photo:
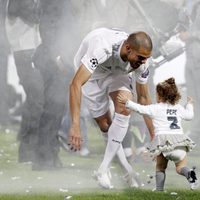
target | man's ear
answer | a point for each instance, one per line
(128, 48)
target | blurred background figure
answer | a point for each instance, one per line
(85, 118)
(191, 37)
(22, 30)
(4, 53)
(47, 60)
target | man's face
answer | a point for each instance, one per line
(137, 57)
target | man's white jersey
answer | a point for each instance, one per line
(99, 52)
(166, 117)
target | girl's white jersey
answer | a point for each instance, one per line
(99, 52)
(166, 117)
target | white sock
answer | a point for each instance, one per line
(123, 160)
(116, 134)
(121, 154)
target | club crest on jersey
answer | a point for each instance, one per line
(94, 63)
(145, 74)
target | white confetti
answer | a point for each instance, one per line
(15, 177)
(68, 197)
(173, 193)
(63, 190)
(7, 131)
(72, 164)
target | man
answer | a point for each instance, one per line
(22, 29)
(105, 59)
(4, 52)
(191, 37)
(46, 59)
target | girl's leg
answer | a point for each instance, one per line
(161, 165)
(188, 173)
(182, 169)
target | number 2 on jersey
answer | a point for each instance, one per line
(174, 124)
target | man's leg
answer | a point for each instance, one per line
(31, 80)
(116, 134)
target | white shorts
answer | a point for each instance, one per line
(96, 92)
(176, 155)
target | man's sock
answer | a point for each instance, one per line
(116, 134)
(123, 160)
(160, 180)
(121, 155)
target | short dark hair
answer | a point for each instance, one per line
(139, 40)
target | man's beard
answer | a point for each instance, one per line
(136, 65)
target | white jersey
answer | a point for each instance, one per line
(99, 52)
(166, 118)
(22, 36)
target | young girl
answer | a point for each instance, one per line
(169, 143)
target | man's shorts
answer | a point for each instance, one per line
(96, 92)
(176, 155)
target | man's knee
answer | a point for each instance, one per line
(118, 106)
(124, 111)
(103, 125)
(104, 121)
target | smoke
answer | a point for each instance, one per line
(76, 18)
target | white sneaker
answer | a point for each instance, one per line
(193, 180)
(132, 180)
(84, 151)
(103, 179)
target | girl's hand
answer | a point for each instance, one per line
(122, 98)
(190, 100)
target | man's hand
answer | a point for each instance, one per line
(184, 36)
(74, 140)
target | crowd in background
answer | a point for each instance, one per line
(43, 36)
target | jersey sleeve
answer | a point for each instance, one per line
(142, 73)
(142, 109)
(187, 113)
(97, 53)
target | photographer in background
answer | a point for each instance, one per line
(22, 30)
(4, 52)
(191, 37)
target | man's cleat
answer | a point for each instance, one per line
(193, 180)
(132, 180)
(103, 179)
